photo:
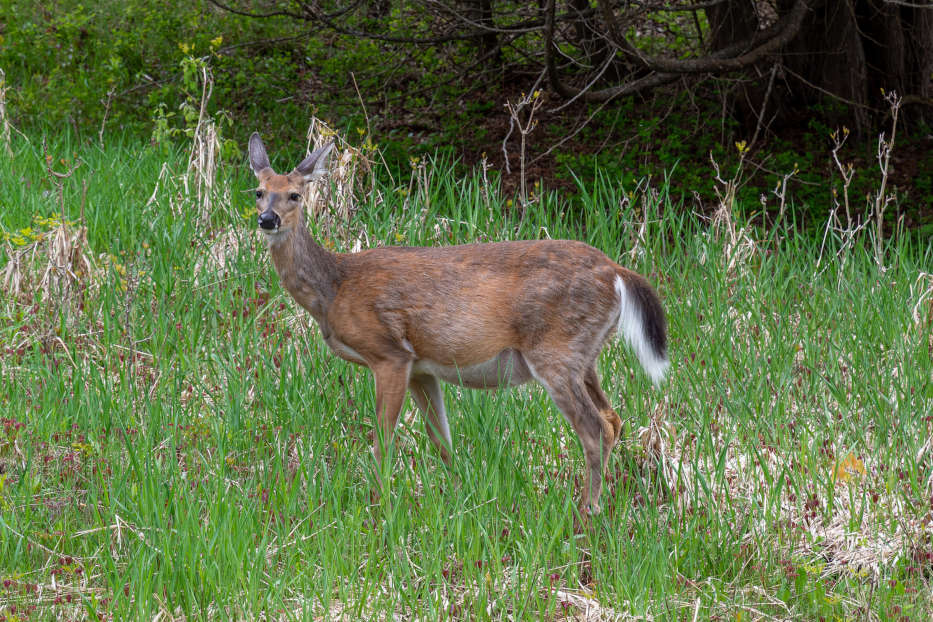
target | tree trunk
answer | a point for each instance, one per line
(828, 58)
(847, 51)
(923, 58)
(480, 13)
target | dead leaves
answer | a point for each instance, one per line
(849, 469)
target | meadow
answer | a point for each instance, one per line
(178, 443)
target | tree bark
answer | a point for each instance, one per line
(828, 59)
(922, 57)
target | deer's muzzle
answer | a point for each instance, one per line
(269, 220)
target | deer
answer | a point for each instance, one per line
(483, 315)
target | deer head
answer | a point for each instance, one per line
(279, 197)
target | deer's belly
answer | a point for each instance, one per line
(506, 369)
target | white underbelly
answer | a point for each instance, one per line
(506, 369)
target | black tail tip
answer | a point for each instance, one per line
(654, 320)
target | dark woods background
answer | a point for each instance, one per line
(762, 90)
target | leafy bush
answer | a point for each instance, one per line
(121, 62)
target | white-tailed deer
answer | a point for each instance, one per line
(478, 315)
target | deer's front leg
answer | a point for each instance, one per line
(426, 393)
(391, 378)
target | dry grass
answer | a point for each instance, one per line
(55, 268)
(349, 180)
(4, 120)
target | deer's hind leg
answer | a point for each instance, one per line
(566, 383)
(611, 419)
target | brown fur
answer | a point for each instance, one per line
(482, 315)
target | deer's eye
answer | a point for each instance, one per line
(259, 194)
(294, 196)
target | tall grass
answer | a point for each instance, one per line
(177, 441)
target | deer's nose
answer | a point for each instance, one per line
(269, 220)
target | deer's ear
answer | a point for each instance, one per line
(258, 160)
(314, 166)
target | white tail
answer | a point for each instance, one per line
(638, 323)
(478, 315)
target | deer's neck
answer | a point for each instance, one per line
(310, 273)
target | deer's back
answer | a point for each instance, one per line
(466, 303)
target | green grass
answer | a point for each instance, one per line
(177, 439)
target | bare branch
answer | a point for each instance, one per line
(230, 9)
(310, 13)
(628, 88)
(913, 5)
(760, 45)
